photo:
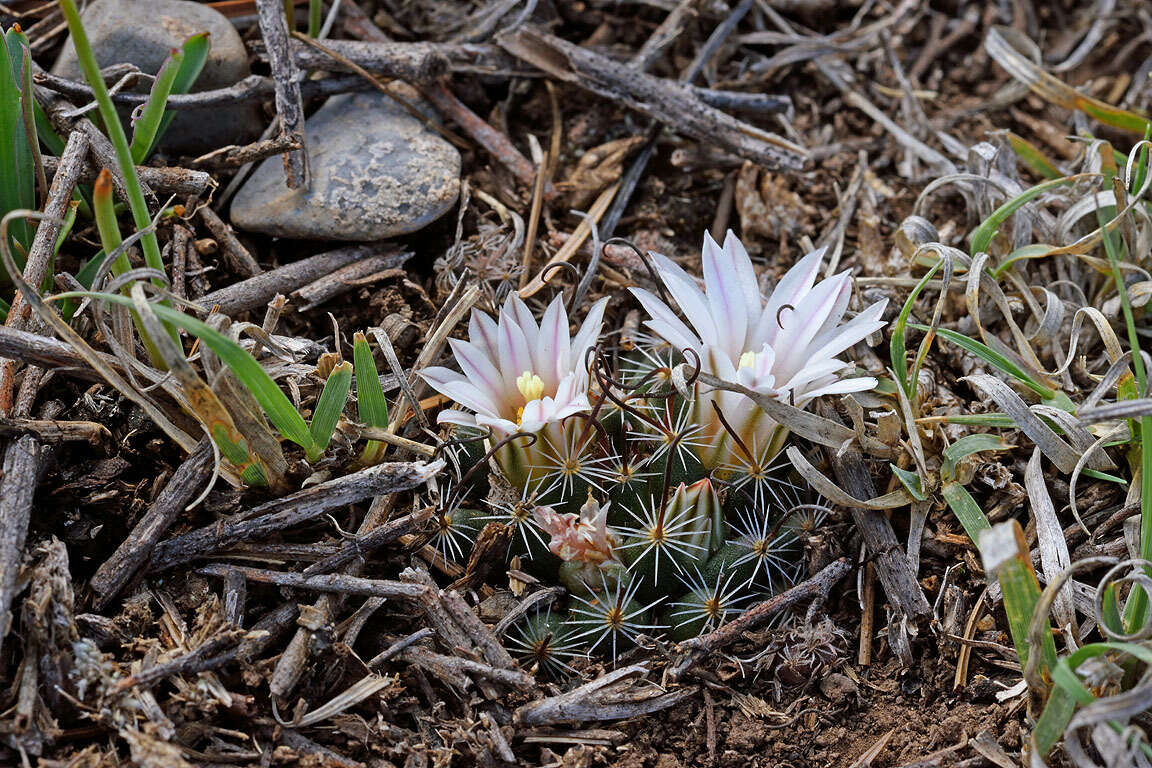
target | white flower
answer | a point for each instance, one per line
(787, 346)
(522, 377)
(519, 376)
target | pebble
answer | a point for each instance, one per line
(838, 687)
(143, 33)
(377, 172)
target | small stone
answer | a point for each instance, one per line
(377, 172)
(143, 33)
(838, 687)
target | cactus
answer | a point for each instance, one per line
(659, 503)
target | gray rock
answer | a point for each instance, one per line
(143, 33)
(377, 172)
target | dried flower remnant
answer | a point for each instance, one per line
(585, 543)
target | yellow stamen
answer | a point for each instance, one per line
(748, 359)
(530, 385)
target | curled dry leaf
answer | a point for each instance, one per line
(596, 169)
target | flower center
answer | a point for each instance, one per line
(748, 359)
(531, 386)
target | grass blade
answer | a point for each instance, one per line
(195, 53)
(897, 345)
(202, 400)
(315, 9)
(17, 174)
(371, 403)
(1003, 44)
(275, 403)
(911, 482)
(967, 446)
(104, 209)
(966, 509)
(115, 131)
(329, 408)
(146, 127)
(995, 359)
(982, 236)
(1032, 157)
(1005, 555)
(1053, 720)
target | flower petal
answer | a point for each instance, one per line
(552, 350)
(693, 303)
(793, 286)
(500, 427)
(587, 336)
(842, 386)
(725, 298)
(436, 375)
(482, 332)
(452, 416)
(802, 324)
(462, 391)
(745, 276)
(665, 323)
(536, 414)
(515, 352)
(834, 341)
(813, 371)
(516, 309)
(479, 370)
(836, 313)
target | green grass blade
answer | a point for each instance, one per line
(995, 359)
(965, 447)
(1136, 609)
(911, 482)
(897, 346)
(371, 403)
(46, 132)
(1032, 157)
(966, 509)
(104, 209)
(275, 403)
(145, 130)
(329, 408)
(1005, 555)
(195, 52)
(1110, 616)
(17, 174)
(315, 9)
(115, 130)
(201, 399)
(982, 236)
(1053, 720)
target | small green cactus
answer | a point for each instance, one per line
(658, 503)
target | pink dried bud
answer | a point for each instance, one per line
(584, 538)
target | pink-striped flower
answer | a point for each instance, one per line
(787, 346)
(517, 375)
